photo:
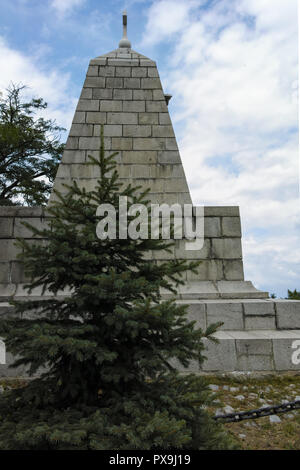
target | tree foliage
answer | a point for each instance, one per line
(293, 295)
(30, 150)
(108, 353)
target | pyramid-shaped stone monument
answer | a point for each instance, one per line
(123, 92)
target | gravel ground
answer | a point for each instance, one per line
(246, 392)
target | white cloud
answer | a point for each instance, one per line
(50, 84)
(166, 17)
(233, 75)
(64, 7)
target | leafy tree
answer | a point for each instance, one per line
(30, 150)
(106, 352)
(293, 295)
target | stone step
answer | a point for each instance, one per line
(255, 350)
(256, 335)
(235, 314)
(202, 290)
(243, 351)
(193, 290)
(245, 314)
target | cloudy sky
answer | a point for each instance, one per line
(232, 68)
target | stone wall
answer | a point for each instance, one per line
(221, 254)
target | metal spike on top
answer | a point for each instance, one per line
(125, 41)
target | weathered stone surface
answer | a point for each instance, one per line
(132, 83)
(257, 362)
(139, 157)
(208, 270)
(21, 231)
(17, 273)
(168, 157)
(162, 131)
(123, 71)
(158, 95)
(147, 63)
(164, 119)
(156, 107)
(104, 93)
(177, 185)
(221, 356)
(212, 227)
(88, 105)
(260, 323)
(121, 143)
(288, 314)
(94, 82)
(148, 118)
(86, 94)
(89, 143)
(231, 314)
(72, 143)
(84, 171)
(239, 290)
(20, 211)
(79, 117)
(96, 118)
(150, 83)
(231, 227)
(142, 95)
(148, 144)
(122, 118)
(107, 71)
(98, 61)
(222, 211)
(111, 105)
(116, 82)
(139, 72)
(8, 250)
(171, 144)
(136, 131)
(182, 253)
(81, 130)
(73, 156)
(152, 72)
(93, 71)
(6, 227)
(252, 346)
(233, 270)
(196, 312)
(263, 307)
(226, 248)
(64, 171)
(4, 272)
(134, 106)
(110, 130)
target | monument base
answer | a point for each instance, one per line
(257, 333)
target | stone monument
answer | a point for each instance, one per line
(123, 92)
